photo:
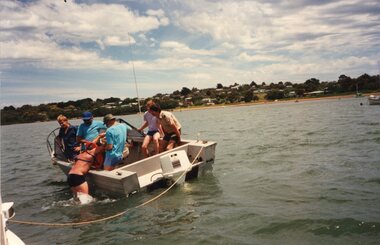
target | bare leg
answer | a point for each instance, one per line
(170, 145)
(80, 188)
(156, 137)
(163, 145)
(145, 145)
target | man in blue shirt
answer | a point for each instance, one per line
(116, 138)
(89, 130)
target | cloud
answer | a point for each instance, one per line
(49, 55)
(182, 49)
(260, 57)
(75, 23)
(235, 22)
(172, 44)
(254, 25)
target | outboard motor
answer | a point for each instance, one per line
(174, 164)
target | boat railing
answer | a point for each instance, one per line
(133, 133)
(54, 149)
(51, 137)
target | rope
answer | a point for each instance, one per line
(109, 217)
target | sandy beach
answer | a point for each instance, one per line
(297, 100)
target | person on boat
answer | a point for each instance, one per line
(89, 130)
(153, 133)
(67, 138)
(115, 141)
(170, 126)
(83, 163)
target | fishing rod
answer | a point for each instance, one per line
(134, 74)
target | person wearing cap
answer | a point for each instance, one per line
(89, 130)
(116, 138)
(170, 126)
(153, 133)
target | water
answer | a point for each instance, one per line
(285, 173)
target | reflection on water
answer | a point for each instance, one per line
(296, 173)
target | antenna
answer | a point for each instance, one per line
(134, 74)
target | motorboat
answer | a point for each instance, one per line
(374, 99)
(190, 159)
(7, 237)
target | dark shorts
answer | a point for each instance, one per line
(75, 180)
(153, 132)
(172, 136)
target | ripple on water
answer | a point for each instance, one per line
(290, 173)
(330, 227)
(75, 203)
(374, 180)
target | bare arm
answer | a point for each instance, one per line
(145, 124)
(176, 131)
(79, 139)
(97, 138)
(160, 130)
(107, 146)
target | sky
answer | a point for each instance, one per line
(53, 51)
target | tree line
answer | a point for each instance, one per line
(189, 97)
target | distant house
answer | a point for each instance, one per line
(188, 101)
(164, 96)
(110, 105)
(259, 91)
(208, 101)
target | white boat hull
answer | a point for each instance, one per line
(138, 173)
(7, 237)
(374, 101)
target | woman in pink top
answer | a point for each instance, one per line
(150, 121)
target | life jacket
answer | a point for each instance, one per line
(98, 158)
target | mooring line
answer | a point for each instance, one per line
(109, 217)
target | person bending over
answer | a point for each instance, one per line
(170, 126)
(83, 163)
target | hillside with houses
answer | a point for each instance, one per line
(186, 97)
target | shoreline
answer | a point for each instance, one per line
(203, 107)
(295, 100)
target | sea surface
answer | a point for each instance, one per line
(284, 173)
